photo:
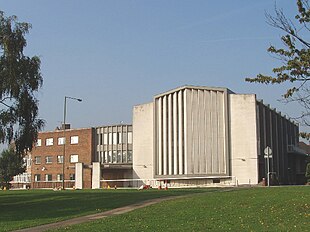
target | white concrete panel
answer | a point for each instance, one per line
(96, 175)
(170, 134)
(165, 135)
(180, 132)
(79, 175)
(159, 137)
(175, 134)
(243, 133)
(143, 141)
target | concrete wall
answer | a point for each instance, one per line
(143, 141)
(243, 135)
(191, 132)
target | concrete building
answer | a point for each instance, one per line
(113, 154)
(201, 136)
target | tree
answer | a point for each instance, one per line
(11, 164)
(20, 79)
(295, 57)
(308, 173)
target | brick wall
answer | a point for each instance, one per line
(84, 148)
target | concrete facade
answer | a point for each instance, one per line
(243, 138)
(143, 141)
(206, 135)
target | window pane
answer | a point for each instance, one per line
(49, 142)
(129, 157)
(110, 138)
(37, 159)
(48, 159)
(114, 157)
(74, 139)
(48, 177)
(124, 140)
(60, 159)
(119, 137)
(124, 157)
(59, 177)
(110, 157)
(119, 157)
(114, 138)
(74, 158)
(105, 159)
(105, 138)
(61, 141)
(39, 143)
(129, 137)
(37, 177)
(72, 177)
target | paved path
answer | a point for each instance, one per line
(96, 216)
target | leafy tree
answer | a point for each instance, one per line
(308, 172)
(20, 79)
(295, 57)
(11, 164)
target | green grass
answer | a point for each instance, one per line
(254, 209)
(21, 209)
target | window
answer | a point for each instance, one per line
(110, 157)
(129, 137)
(37, 177)
(129, 157)
(119, 157)
(72, 176)
(100, 139)
(37, 159)
(105, 138)
(49, 142)
(124, 140)
(60, 159)
(114, 138)
(124, 157)
(39, 143)
(114, 158)
(119, 137)
(61, 141)
(74, 158)
(74, 140)
(59, 177)
(48, 159)
(103, 157)
(110, 138)
(48, 177)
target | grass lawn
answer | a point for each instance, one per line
(21, 209)
(254, 209)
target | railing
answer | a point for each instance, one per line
(53, 184)
(170, 182)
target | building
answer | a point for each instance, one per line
(114, 153)
(49, 165)
(188, 136)
(202, 136)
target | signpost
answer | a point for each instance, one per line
(268, 155)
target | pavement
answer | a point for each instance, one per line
(92, 217)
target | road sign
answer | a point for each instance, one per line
(268, 151)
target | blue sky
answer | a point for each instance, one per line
(117, 54)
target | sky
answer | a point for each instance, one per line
(114, 54)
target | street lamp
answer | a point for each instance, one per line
(64, 135)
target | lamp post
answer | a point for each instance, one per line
(64, 135)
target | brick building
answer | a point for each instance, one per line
(47, 157)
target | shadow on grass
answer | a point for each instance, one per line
(20, 209)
